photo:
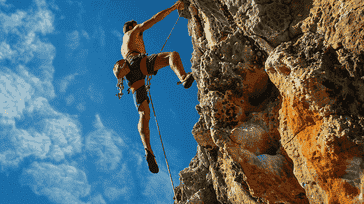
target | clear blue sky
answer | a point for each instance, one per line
(65, 136)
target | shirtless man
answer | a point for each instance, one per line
(140, 65)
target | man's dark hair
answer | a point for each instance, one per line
(127, 24)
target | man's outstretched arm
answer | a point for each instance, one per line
(158, 17)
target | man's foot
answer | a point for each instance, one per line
(188, 80)
(152, 163)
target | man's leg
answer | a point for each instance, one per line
(143, 126)
(141, 99)
(173, 60)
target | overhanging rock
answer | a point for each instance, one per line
(281, 92)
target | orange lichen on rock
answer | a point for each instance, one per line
(325, 154)
(329, 166)
(263, 176)
(235, 192)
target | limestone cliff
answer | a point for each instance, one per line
(281, 92)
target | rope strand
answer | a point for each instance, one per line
(155, 116)
(165, 156)
(170, 33)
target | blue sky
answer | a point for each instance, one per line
(65, 136)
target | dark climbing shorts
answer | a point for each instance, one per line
(150, 64)
(140, 95)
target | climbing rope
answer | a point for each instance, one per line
(155, 116)
(149, 77)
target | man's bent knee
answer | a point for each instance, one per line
(144, 116)
(144, 110)
(175, 54)
(162, 60)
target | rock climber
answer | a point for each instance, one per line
(139, 65)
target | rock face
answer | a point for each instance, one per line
(281, 92)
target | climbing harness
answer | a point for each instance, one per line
(155, 116)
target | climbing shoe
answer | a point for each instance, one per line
(188, 80)
(152, 163)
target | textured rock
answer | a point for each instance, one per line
(281, 92)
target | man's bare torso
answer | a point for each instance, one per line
(132, 41)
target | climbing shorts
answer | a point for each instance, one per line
(140, 95)
(150, 64)
(135, 73)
